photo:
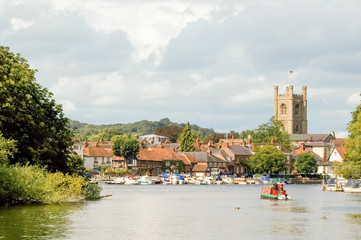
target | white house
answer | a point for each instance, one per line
(153, 139)
(95, 156)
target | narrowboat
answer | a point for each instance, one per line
(274, 191)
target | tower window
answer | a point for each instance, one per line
(297, 129)
(283, 109)
(297, 109)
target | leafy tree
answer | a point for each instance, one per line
(267, 159)
(195, 134)
(265, 132)
(353, 143)
(244, 134)
(213, 137)
(236, 134)
(125, 146)
(30, 117)
(170, 131)
(352, 164)
(7, 149)
(186, 140)
(75, 164)
(305, 163)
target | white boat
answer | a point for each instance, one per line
(173, 179)
(131, 180)
(145, 180)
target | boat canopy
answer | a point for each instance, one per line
(265, 178)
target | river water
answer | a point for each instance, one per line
(164, 212)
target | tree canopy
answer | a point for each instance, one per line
(268, 159)
(268, 131)
(351, 167)
(186, 139)
(170, 131)
(125, 146)
(30, 116)
(305, 163)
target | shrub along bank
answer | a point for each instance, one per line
(33, 184)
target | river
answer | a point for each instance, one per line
(164, 212)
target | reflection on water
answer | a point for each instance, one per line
(47, 221)
(191, 212)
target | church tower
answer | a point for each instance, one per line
(291, 109)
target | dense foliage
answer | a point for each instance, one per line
(125, 146)
(351, 168)
(93, 132)
(7, 149)
(32, 184)
(305, 163)
(30, 116)
(186, 140)
(215, 137)
(170, 131)
(268, 159)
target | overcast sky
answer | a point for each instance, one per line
(211, 63)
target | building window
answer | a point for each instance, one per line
(167, 163)
(283, 109)
(297, 109)
(297, 129)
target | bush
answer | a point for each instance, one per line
(32, 184)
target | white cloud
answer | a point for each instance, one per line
(354, 99)
(252, 95)
(68, 106)
(18, 23)
(149, 25)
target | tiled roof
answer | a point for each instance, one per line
(96, 152)
(200, 167)
(240, 150)
(189, 157)
(341, 151)
(315, 137)
(339, 142)
(157, 154)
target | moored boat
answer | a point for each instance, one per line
(274, 191)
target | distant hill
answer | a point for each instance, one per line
(143, 127)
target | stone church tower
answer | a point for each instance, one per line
(291, 109)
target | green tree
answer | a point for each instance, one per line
(7, 149)
(265, 132)
(171, 131)
(186, 140)
(351, 167)
(29, 115)
(305, 163)
(75, 164)
(213, 137)
(267, 159)
(125, 146)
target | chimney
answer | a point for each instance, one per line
(249, 140)
(302, 146)
(227, 136)
(324, 155)
(161, 145)
(310, 138)
(210, 152)
(243, 143)
(233, 136)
